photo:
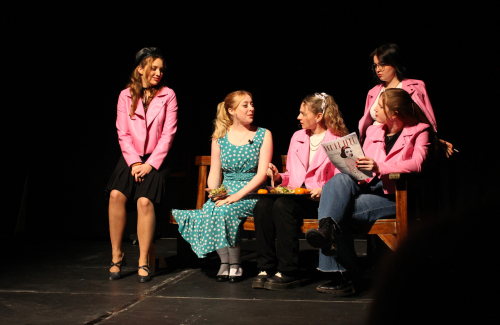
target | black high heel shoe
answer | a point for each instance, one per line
(143, 278)
(223, 278)
(117, 275)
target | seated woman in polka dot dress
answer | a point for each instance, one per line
(244, 152)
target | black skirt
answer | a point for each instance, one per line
(152, 186)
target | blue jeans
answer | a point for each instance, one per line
(351, 206)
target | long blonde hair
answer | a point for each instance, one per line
(135, 83)
(332, 116)
(224, 120)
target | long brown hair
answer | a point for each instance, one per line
(333, 118)
(135, 83)
(398, 101)
(224, 120)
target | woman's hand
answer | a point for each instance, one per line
(273, 173)
(316, 193)
(140, 171)
(448, 146)
(366, 163)
(227, 200)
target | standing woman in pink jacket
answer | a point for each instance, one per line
(399, 143)
(279, 218)
(388, 68)
(146, 122)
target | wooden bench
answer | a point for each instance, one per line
(391, 231)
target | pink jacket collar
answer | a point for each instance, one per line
(154, 107)
(377, 134)
(303, 150)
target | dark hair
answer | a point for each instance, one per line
(342, 153)
(390, 54)
(147, 52)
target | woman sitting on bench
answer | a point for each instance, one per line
(244, 152)
(281, 217)
(399, 144)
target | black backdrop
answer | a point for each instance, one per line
(66, 65)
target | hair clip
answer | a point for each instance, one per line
(322, 96)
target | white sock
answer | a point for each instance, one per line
(235, 261)
(224, 259)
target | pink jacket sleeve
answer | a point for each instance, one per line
(167, 135)
(413, 159)
(124, 137)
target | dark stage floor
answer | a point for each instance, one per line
(47, 284)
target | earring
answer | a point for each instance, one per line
(317, 121)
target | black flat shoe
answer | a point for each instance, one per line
(117, 275)
(281, 282)
(223, 277)
(235, 278)
(343, 285)
(260, 280)
(143, 278)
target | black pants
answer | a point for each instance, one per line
(277, 228)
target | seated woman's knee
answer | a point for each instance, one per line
(261, 207)
(117, 197)
(144, 203)
(282, 203)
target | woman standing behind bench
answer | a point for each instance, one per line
(400, 143)
(281, 217)
(146, 122)
(244, 152)
(388, 68)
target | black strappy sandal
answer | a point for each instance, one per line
(144, 278)
(223, 278)
(117, 275)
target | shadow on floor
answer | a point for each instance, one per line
(53, 284)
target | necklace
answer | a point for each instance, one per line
(241, 137)
(315, 147)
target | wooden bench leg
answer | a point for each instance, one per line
(389, 240)
(401, 210)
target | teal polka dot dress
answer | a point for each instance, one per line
(211, 227)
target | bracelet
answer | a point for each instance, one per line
(137, 163)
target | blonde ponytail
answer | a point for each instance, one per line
(333, 118)
(331, 115)
(224, 120)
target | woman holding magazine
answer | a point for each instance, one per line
(389, 70)
(400, 143)
(281, 217)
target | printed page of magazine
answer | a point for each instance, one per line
(344, 153)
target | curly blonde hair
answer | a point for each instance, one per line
(332, 116)
(224, 120)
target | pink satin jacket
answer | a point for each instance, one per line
(321, 169)
(150, 133)
(407, 155)
(417, 91)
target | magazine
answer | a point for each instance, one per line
(344, 152)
